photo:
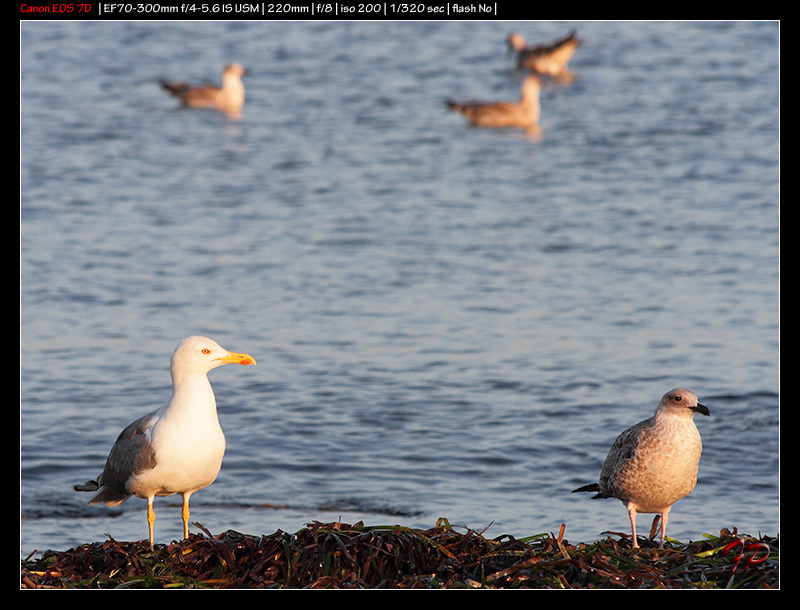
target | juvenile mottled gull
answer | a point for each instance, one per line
(524, 114)
(654, 464)
(229, 98)
(550, 59)
(177, 449)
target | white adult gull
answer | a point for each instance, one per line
(176, 449)
(654, 464)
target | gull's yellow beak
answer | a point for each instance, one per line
(236, 358)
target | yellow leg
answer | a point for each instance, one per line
(185, 515)
(151, 518)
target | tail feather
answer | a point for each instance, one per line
(174, 88)
(106, 495)
(87, 486)
(592, 487)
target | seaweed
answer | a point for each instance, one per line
(342, 556)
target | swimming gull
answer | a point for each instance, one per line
(228, 98)
(524, 114)
(550, 59)
(177, 449)
(654, 464)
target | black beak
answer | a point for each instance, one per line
(701, 409)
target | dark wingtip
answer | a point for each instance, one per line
(87, 486)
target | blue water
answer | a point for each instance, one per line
(448, 321)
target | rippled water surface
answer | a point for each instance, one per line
(448, 321)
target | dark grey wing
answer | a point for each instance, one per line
(131, 453)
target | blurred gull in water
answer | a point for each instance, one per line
(524, 114)
(549, 59)
(229, 98)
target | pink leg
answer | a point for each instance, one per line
(664, 519)
(632, 515)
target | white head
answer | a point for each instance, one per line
(531, 86)
(234, 70)
(681, 403)
(197, 354)
(516, 41)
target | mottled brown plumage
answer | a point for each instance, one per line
(523, 114)
(228, 98)
(654, 464)
(549, 59)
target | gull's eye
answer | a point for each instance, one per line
(205, 350)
